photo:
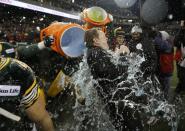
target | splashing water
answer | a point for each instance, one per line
(93, 115)
(93, 112)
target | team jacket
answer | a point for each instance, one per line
(17, 83)
(148, 51)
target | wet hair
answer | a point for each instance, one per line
(89, 36)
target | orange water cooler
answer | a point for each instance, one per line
(68, 38)
(68, 42)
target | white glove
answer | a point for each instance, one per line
(47, 42)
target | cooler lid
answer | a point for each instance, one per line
(72, 42)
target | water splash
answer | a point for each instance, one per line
(92, 116)
(152, 102)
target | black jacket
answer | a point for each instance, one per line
(105, 71)
(47, 63)
(148, 51)
(112, 87)
(180, 38)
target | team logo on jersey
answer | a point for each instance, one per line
(139, 46)
(9, 90)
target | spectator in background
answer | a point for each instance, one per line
(119, 40)
(136, 33)
(164, 49)
(179, 43)
(141, 45)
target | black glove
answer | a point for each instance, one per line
(48, 41)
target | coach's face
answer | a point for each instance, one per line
(101, 40)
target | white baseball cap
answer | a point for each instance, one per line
(136, 29)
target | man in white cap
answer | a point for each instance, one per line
(136, 34)
(141, 45)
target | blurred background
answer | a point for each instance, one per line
(22, 20)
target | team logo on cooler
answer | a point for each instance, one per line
(139, 46)
(9, 90)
